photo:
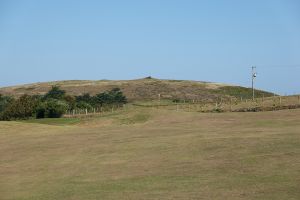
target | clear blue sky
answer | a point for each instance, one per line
(209, 40)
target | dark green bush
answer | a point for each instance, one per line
(71, 101)
(55, 103)
(22, 108)
(84, 105)
(114, 96)
(41, 111)
(4, 102)
(51, 109)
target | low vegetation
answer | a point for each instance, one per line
(55, 103)
(242, 92)
(145, 89)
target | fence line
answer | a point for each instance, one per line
(81, 113)
(232, 104)
(222, 105)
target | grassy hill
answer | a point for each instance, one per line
(141, 89)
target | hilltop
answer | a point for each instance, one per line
(140, 89)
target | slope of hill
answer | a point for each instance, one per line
(140, 89)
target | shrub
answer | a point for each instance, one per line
(114, 96)
(22, 108)
(41, 111)
(176, 100)
(51, 109)
(4, 102)
(117, 96)
(71, 101)
(86, 99)
(84, 105)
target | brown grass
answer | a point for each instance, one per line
(154, 154)
(135, 90)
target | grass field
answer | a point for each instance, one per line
(146, 153)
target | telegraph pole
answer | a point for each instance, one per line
(253, 77)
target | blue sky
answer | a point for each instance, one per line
(214, 41)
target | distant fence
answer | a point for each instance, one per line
(221, 105)
(98, 111)
(231, 104)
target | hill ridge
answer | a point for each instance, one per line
(140, 89)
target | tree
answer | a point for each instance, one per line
(55, 93)
(117, 96)
(114, 96)
(71, 101)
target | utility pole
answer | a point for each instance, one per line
(253, 77)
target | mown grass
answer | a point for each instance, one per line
(175, 155)
(54, 121)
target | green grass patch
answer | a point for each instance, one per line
(243, 92)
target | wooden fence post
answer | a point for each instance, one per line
(280, 100)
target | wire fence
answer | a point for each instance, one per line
(97, 111)
(222, 105)
(231, 105)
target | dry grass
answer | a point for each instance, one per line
(135, 90)
(227, 105)
(154, 154)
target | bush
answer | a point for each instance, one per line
(86, 99)
(84, 105)
(22, 108)
(114, 96)
(55, 103)
(51, 109)
(4, 102)
(176, 100)
(41, 111)
(71, 101)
